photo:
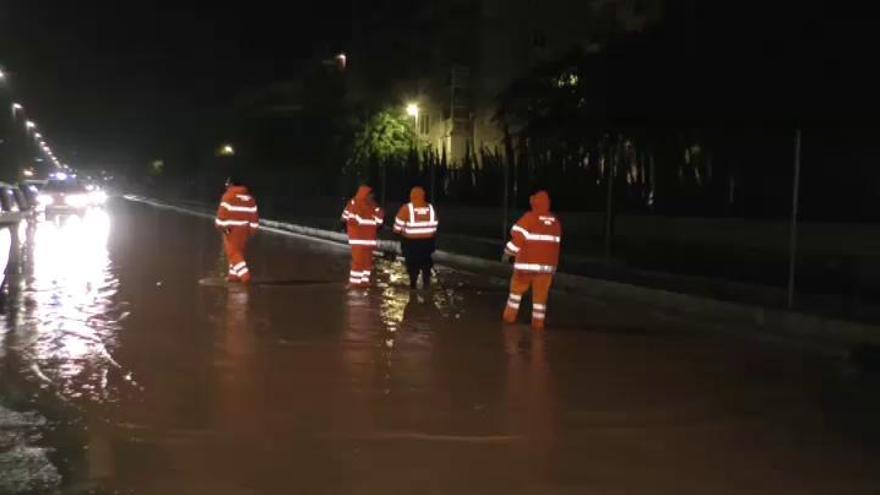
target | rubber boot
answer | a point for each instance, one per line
(426, 278)
(509, 315)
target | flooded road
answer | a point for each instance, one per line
(121, 373)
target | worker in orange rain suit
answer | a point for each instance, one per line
(535, 242)
(237, 219)
(417, 223)
(363, 219)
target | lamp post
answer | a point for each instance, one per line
(413, 110)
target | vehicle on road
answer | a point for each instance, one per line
(65, 195)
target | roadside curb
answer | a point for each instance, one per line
(714, 314)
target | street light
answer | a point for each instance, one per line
(226, 150)
(2, 75)
(412, 109)
(37, 135)
(16, 107)
(30, 124)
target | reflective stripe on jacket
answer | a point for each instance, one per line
(535, 241)
(237, 209)
(415, 222)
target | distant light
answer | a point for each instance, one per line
(30, 124)
(16, 107)
(61, 176)
(27, 172)
(341, 61)
(226, 150)
(38, 135)
(412, 110)
(2, 74)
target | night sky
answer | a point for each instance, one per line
(119, 80)
(115, 79)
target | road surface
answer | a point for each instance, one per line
(120, 373)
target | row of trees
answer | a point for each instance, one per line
(680, 130)
(637, 111)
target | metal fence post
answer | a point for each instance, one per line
(609, 202)
(505, 198)
(792, 241)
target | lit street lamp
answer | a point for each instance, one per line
(412, 109)
(2, 75)
(226, 150)
(37, 135)
(30, 124)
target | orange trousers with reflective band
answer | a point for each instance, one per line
(520, 283)
(235, 243)
(361, 265)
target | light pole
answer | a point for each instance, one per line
(413, 110)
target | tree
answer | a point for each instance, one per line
(387, 136)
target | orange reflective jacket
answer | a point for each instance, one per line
(237, 209)
(536, 237)
(416, 219)
(363, 218)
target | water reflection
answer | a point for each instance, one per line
(236, 367)
(531, 400)
(67, 323)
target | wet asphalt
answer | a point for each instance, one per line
(125, 368)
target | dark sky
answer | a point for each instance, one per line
(117, 78)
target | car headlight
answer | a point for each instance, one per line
(76, 200)
(98, 197)
(45, 199)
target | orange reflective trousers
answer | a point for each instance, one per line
(361, 265)
(235, 243)
(519, 284)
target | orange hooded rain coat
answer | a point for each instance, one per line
(535, 242)
(238, 220)
(363, 219)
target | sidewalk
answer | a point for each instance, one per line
(713, 314)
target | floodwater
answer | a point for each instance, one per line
(121, 373)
